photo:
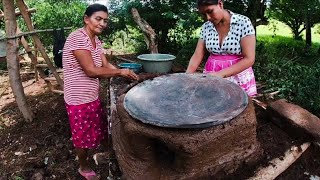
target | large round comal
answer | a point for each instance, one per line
(156, 63)
(185, 101)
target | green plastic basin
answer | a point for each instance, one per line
(133, 66)
(156, 63)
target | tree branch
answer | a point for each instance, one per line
(150, 35)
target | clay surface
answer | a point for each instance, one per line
(149, 152)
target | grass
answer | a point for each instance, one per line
(276, 28)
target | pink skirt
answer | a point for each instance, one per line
(244, 79)
(88, 124)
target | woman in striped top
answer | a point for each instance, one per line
(83, 64)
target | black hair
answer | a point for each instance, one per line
(208, 2)
(95, 8)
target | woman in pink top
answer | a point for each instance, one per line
(230, 40)
(83, 64)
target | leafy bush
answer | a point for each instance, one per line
(185, 53)
(55, 15)
(130, 41)
(285, 65)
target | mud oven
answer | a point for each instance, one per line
(184, 126)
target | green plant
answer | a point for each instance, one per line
(285, 65)
(129, 41)
(55, 15)
(185, 53)
(18, 178)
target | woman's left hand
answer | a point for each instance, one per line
(129, 74)
(217, 74)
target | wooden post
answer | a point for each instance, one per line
(24, 11)
(12, 61)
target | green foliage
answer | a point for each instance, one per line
(285, 65)
(130, 41)
(185, 53)
(55, 14)
(295, 13)
(173, 21)
(254, 9)
(163, 16)
(18, 178)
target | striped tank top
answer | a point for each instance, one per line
(78, 87)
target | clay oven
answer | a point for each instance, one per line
(184, 126)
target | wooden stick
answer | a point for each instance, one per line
(278, 166)
(5, 89)
(126, 60)
(12, 63)
(260, 103)
(27, 72)
(33, 58)
(32, 32)
(113, 102)
(57, 91)
(18, 13)
(50, 79)
(42, 65)
(2, 72)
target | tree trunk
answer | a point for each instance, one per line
(253, 11)
(263, 20)
(12, 60)
(308, 31)
(296, 34)
(149, 34)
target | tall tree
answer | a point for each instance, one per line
(161, 15)
(254, 9)
(12, 60)
(180, 18)
(298, 15)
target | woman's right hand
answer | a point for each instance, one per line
(129, 74)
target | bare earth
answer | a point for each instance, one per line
(42, 149)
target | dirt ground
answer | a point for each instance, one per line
(43, 149)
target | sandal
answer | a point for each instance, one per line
(88, 175)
